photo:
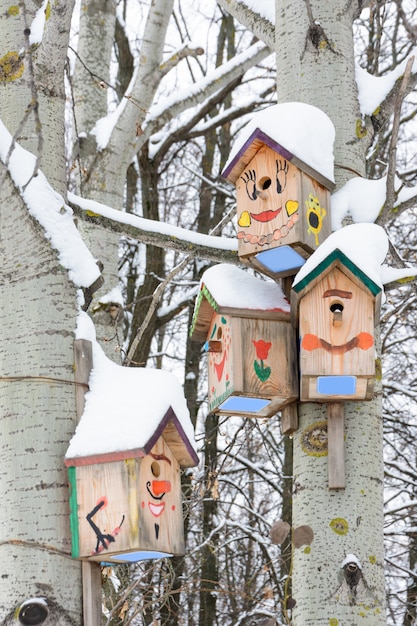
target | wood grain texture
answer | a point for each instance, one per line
(336, 445)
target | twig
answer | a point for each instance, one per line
(157, 294)
(391, 195)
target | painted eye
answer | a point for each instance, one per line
(249, 179)
(282, 169)
(251, 189)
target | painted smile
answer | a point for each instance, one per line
(156, 509)
(363, 341)
(265, 216)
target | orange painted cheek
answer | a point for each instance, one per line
(310, 342)
(365, 340)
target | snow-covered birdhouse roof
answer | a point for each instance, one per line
(366, 247)
(337, 258)
(126, 411)
(230, 290)
(301, 133)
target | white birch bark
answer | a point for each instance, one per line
(315, 64)
(260, 26)
(32, 95)
(38, 316)
(37, 414)
(95, 37)
(344, 522)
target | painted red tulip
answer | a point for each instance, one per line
(262, 348)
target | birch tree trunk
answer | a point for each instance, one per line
(338, 576)
(315, 64)
(38, 316)
(37, 408)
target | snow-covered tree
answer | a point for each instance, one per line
(137, 122)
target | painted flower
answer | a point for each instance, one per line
(262, 348)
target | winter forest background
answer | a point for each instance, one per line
(155, 93)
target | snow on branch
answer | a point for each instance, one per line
(195, 94)
(160, 234)
(49, 209)
(258, 17)
(374, 90)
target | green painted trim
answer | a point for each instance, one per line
(75, 537)
(204, 293)
(338, 255)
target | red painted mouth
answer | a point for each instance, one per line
(219, 367)
(156, 509)
(265, 216)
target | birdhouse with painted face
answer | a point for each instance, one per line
(282, 166)
(124, 465)
(338, 309)
(245, 324)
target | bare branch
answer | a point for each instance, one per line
(391, 192)
(157, 295)
(262, 28)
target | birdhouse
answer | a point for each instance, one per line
(338, 308)
(124, 465)
(245, 324)
(282, 193)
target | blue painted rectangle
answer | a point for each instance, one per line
(280, 259)
(134, 557)
(336, 385)
(243, 404)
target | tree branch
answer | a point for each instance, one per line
(392, 154)
(178, 239)
(386, 108)
(261, 27)
(157, 295)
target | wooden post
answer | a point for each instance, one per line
(336, 444)
(83, 357)
(91, 575)
(289, 419)
(91, 572)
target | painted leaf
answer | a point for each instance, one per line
(263, 373)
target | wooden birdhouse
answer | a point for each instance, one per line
(245, 324)
(283, 208)
(124, 465)
(338, 308)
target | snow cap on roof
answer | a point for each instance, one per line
(127, 409)
(226, 287)
(366, 246)
(300, 132)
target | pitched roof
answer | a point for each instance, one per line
(126, 410)
(230, 290)
(339, 259)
